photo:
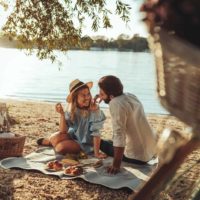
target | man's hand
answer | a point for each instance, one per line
(118, 155)
(113, 170)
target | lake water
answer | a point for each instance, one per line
(27, 78)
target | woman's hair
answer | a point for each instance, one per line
(74, 104)
(111, 85)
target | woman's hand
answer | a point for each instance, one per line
(95, 103)
(59, 108)
(97, 99)
(100, 155)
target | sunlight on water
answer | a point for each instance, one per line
(26, 77)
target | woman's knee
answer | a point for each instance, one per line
(67, 146)
(61, 149)
(57, 138)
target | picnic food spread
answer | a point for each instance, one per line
(72, 166)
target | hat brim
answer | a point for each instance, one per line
(69, 97)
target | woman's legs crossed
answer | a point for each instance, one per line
(54, 139)
(58, 137)
(67, 146)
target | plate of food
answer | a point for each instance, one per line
(54, 166)
(92, 162)
(89, 161)
(73, 171)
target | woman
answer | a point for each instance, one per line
(80, 126)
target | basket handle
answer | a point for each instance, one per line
(4, 118)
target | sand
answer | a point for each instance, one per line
(38, 119)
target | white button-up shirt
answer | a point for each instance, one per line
(131, 128)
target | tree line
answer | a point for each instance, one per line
(123, 43)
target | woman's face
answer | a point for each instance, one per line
(84, 98)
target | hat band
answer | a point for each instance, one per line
(76, 86)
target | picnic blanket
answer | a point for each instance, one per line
(131, 176)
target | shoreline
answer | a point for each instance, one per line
(43, 110)
(37, 101)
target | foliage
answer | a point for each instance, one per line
(4, 4)
(122, 43)
(44, 26)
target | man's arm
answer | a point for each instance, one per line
(119, 118)
(118, 155)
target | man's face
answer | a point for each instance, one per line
(103, 96)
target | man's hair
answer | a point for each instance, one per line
(111, 85)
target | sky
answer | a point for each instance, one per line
(135, 26)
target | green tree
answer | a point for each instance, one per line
(86, 42)
(48, 25)
(139, 43)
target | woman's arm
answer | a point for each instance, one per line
(96, 142)
(63, 126)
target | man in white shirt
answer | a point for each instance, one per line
(133, 139)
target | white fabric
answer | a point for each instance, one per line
(131, 176)
(7, 135)
(131, 128)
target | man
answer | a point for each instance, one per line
(133, 139)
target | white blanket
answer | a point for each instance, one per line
(131, 176)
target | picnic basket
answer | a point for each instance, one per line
(178, 76)
(10, 144)
(12, 147)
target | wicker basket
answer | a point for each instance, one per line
(12, 147)
(178, 77)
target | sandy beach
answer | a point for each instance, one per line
(38, 119)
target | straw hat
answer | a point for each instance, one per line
(75, 85)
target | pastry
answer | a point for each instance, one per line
(54, 165)
(69, 162)
(73, 170)
(57, 165)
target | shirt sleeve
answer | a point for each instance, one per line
(119, 118)
(96, 121)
